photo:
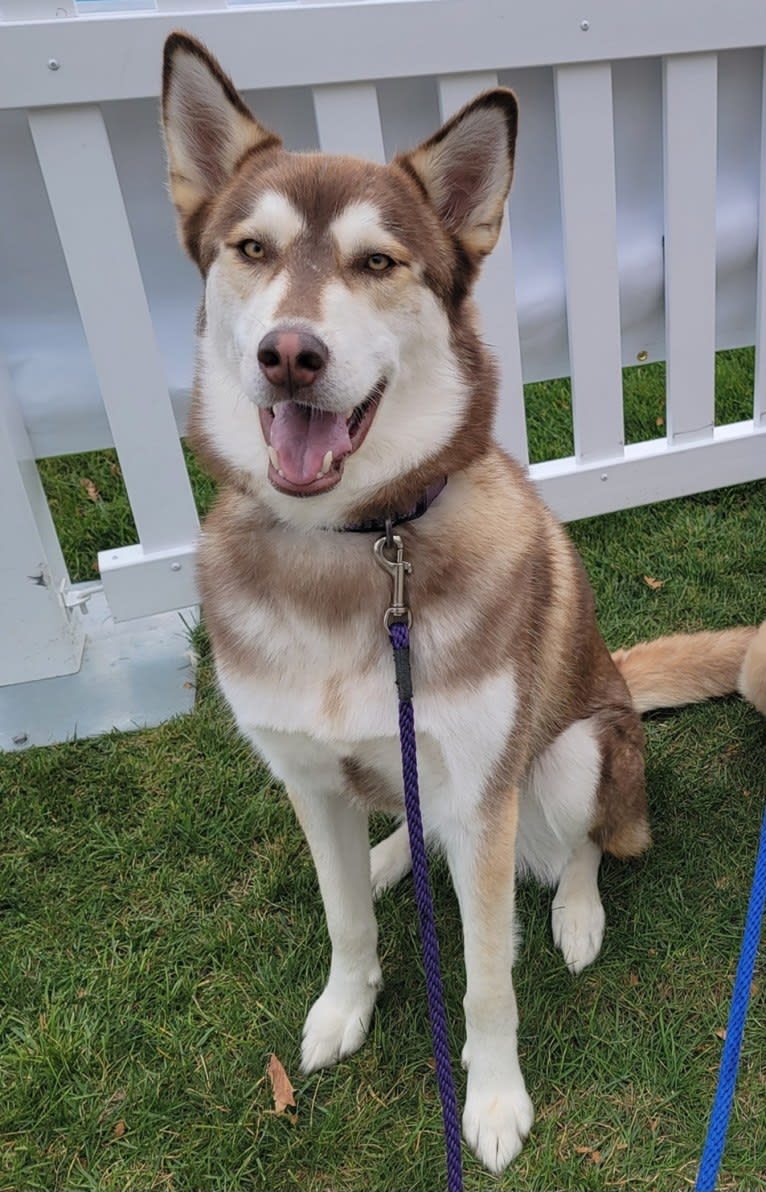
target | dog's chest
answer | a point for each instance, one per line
(334, 683)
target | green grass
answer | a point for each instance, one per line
(550, 404)
(162, 931)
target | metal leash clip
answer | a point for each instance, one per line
(398, 568)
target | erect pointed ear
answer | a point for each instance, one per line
(466, 168)
(208, 128)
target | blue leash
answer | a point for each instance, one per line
(727, 1075)
(397, 621)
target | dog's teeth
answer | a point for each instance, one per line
(348, 413)
(280, 473)
(326, 465)
(274, 459)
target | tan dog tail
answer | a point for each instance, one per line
(752, 677)
(689, 667)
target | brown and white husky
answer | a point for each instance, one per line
(341, 377)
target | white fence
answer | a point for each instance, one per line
(639, 195)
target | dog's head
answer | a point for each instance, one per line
(338, 356)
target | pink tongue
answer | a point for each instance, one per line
(302, 436)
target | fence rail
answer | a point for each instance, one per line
(635, 232)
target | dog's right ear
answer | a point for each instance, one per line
(208, 129)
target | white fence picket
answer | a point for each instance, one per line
(348, 120)
(84, 191)
(495, 291)
(759, 400)
(585, 125)
(40, 636)
(690, 137)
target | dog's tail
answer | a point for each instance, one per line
(689, 667)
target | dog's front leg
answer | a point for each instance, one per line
(336, 831)
(498, 1113)
(337, 835)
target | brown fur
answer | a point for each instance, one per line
(752, 678)
(684, 668)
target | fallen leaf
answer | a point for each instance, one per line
(721, 1033)
(594, 1156)
(119, 1129)
(633, 978)
(659, 422)
(280, 1086)
(654, 584)
(91, 492)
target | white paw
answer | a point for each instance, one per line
(390, 861)
(578, 929)
(496, 1122)
(337, 1025)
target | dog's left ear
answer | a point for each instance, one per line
(466, 168)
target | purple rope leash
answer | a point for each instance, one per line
(429, 943)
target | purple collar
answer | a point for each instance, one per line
(378, 524)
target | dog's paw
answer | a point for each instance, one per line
(496, 1122)
(337, 1025)
(390, 861)
(578, 929)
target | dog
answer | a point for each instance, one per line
(341, 382)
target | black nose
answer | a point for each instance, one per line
(292, 359)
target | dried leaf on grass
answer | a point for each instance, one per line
(594, 1156)
(91, 492)
(280, 1086)
(119, 1129)
(654, 584)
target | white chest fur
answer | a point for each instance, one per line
(331, 693)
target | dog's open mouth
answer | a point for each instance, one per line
(308, 446)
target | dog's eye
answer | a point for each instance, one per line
(378, 262)
(252, 249)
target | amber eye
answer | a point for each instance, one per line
(252, 249)
(378, 262)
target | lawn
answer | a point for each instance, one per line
(163, 933)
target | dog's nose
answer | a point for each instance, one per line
(292, 359)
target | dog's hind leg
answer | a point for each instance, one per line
(577, 916)
(559, 805)
(390, 860)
